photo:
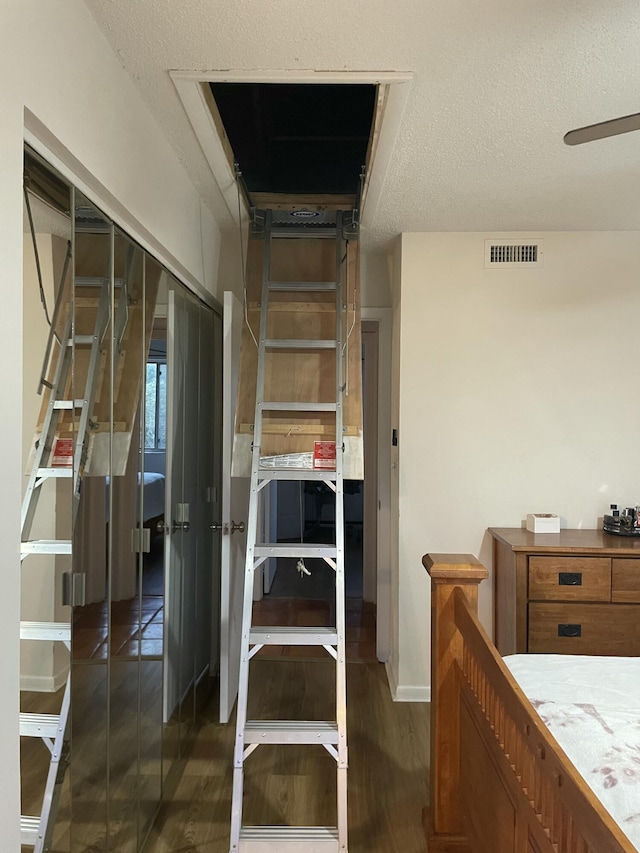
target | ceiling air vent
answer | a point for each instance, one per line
(512, 253)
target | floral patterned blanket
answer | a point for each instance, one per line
(592, 707)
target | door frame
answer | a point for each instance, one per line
(380, 482)
(234, 501)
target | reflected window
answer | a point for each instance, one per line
(155, 426)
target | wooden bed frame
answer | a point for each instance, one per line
(500, 783)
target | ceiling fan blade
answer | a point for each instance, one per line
(605, 128)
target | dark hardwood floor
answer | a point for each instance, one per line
(388, 763)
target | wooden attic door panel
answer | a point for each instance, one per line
(306, 376)
(129, 364)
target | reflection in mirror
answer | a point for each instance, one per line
(206, 510)
(47, 498)
(126, 478)
(175, 663)
(127, 345)
(92, 382)
(150, 578)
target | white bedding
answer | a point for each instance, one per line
(592, 707)
(153, 495)
(153, 490)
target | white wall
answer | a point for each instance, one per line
(518, 393)
(10, 430)
(374, 281)
(61, 78)
(81, 104)
(230, 274)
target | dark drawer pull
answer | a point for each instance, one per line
(570, 578)
(568, 630)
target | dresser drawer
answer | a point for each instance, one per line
(570, 578)
(625, 580)
(584, 629)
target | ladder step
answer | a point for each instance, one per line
(96, 281)
(280, 406)
(281, 343)
(40, 725)
(296, 474)
(288, 286)
(267, 635)
(290, 731)
(29, 830)
(61, 471)
(68, 404)
(304, 232)
(46, 631)
(46, 546)
(273, 839)
(82, 340)
(294, 549)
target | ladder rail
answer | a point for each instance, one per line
(101, 324)
(47, 433)
(54, 322)
(252, 527)
(121, 318)
(55, 777)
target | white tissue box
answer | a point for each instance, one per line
(543, 522)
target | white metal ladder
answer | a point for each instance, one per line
(53, 729)
(332, 735)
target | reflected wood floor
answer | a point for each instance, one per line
(388, 761)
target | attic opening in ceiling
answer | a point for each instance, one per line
(297, 138)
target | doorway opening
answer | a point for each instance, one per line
(294, 138)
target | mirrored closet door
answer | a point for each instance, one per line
(141, 587)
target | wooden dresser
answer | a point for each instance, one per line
(573, 592)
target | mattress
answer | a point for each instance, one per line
(153, 500)
(153, 495)
(591, 705)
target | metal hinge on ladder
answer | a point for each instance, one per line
(331, 735)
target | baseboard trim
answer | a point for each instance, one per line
(406, 692)
(412, 693)
(391, 679)
(44, 683)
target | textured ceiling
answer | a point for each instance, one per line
(496, 85)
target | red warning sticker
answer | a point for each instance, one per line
(324, 454)
(62, 452)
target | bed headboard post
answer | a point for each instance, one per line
(443, 819)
